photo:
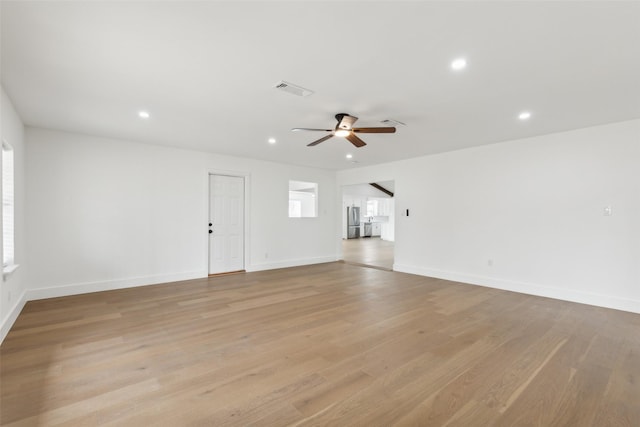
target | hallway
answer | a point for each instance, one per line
(371, 251)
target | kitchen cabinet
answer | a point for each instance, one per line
(376, 229)
(377, 206)
(384, 207)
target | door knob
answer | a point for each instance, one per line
(210, 231)
(210, 224)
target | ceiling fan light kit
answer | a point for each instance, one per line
(345, 129)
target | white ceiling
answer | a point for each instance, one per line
(367, 190)
(206, 71)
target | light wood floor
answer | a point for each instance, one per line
(330, 344)
(372, 251)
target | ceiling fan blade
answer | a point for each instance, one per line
(346, 121)
(320, 140)
(307, 129)
(352, 138)
(375, 130)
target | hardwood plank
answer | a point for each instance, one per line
(369, 251)
(328, 344)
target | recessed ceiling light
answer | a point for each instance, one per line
(342, 133)
(349, 156)
(144, 114)
(271, 140)
(459, 64)
(525, 115)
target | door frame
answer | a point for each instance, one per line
(246, 214)
(342, 218)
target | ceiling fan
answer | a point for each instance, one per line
(345, 129)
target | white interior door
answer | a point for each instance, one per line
(226, 224)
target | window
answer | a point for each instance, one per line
(303, 201)
(372, 208)
(8, 257)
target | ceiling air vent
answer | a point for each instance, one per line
(294, 89)
(391, 122)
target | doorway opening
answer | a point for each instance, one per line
(368, 224)
(226, 224)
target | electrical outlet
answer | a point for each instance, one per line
(607, 211)
(490, 262)
(266, 255)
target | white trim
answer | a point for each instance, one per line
(108, 285)
(11, 317)
(599, 300)
(8, 270)
(291, 263)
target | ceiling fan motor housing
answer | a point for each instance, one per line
(339, 116)
(345, 124)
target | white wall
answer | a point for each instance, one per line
(106, 213)
(532, 208)
(389, 227)
(12, 291)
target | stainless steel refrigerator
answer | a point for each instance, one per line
(353, 222)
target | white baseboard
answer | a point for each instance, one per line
(108, 285)
(521, 287)
(11, 317)
(572, 295)
(292, 263)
